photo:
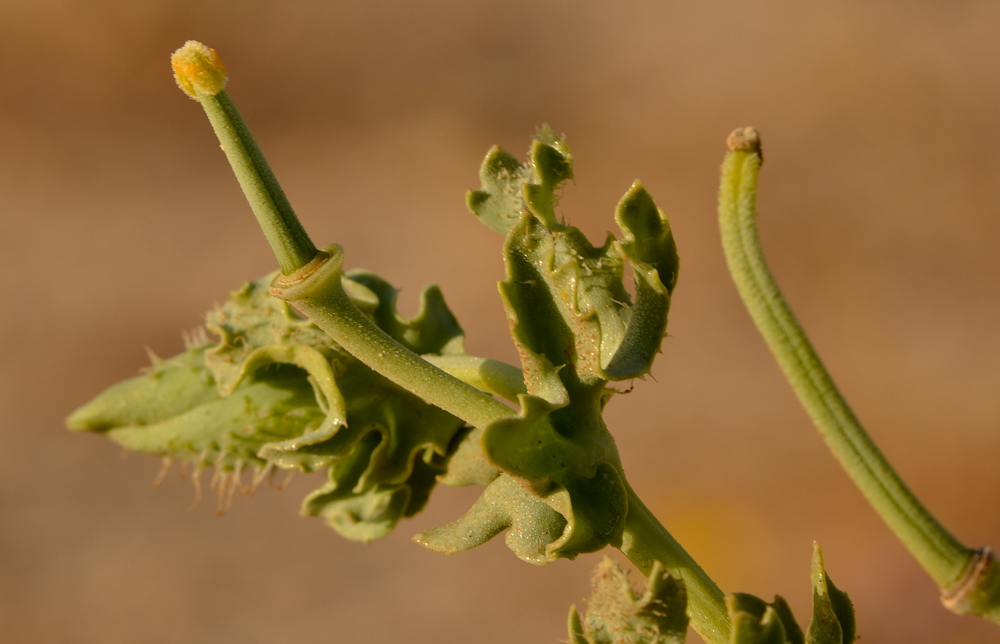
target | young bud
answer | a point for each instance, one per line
(198, 69)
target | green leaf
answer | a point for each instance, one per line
(508, 187)
(646, 235)
(499, 203)
(559, 342)
(551, 165)
(365, 513)
(755, 621)
(467, 465)
(615, 615)
(433, 329)
(275, 390)
(558, 498)
(407, 425)
(648, 245)
(585, 282)
(833, 619)
(504, 504)
(168, 388)
(575, 328)
(575, 627)
(569, 461)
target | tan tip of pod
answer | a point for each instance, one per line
(744, 138)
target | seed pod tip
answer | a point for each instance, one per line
(744, 138)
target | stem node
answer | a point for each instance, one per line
(978, 592)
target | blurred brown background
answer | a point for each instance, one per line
(120, 224)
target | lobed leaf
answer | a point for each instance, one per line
(499, 203)
(586, 282)
(372, 512)
(575, 328)
(275, 390)
(569, 462)
(508, 186)
(504, 505)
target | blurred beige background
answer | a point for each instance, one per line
(120, 224)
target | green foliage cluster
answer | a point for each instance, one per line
(274, 391)
(575, 328)
(315, 369)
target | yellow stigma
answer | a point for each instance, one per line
(198, 69)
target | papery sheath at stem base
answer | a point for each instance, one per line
(978, 592)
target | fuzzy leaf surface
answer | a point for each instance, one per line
(504, 505)
(509, 187)
(274, 390)
(575, 327)
(615, 615)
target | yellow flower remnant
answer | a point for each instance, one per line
(198, 70)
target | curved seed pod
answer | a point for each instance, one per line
(615, 615)
(277, 391)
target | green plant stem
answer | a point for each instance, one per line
(289, 240)
(492, 376)
(311, 281)
(647, 541)
(314, 279)
(316, 291)
(944, 558)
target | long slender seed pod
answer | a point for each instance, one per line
(945, 558)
